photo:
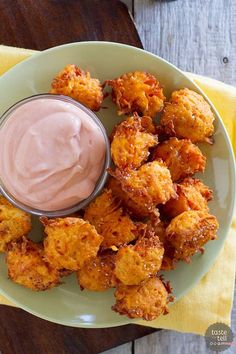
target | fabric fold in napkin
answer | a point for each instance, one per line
(211, 299)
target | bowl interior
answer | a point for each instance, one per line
(67, 304)
(104, 173)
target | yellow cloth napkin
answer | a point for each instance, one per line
(211, 299)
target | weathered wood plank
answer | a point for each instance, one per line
(122, 349)
(195, 35)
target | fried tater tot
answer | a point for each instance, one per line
(78, 84)
(192, 194)
(136, 263)
(182, 157)
(159, 228)
(98, 273)
(188, 115)
(190, 231)
(150, 185)
(148, 125)
(14, 223)
(135, 209)
(110, 220)
(70, 242)
(137, 92)
(130, 145)
(147, 300)
(27, 266)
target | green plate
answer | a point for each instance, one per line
(66, 304)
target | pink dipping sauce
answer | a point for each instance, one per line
(51, 154)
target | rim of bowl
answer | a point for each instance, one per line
(104, 174)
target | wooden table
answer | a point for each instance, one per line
(196, 35)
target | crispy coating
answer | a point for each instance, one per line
(192, 194)
(189, 231)
(136, 263)
(130, 145)
(148, 125)
(182, 157)
(147, 300)
(70, 242)
(188, 115)
(137, 92)
(14, 223)
(110, 220)
(27, 266)
(78, 84)
(159, 228)
(98, 273)
(135, 208)
(150, 185)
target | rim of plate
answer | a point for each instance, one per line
(233, 177)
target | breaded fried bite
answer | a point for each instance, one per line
(27, 266)
(78, 84)
(159, 228)
(135, 264)
(190, 231)
(14, 223)
(98, 273)
(135, 208)
(130, 145)
(150, 185)
(192, 194)
(70, 242)
(182, 157)
(137, 92)
(147, 301)
(148, 125)
(110, 221)
(188, 115)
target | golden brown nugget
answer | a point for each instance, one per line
(159, 228)
(192, 194)
(70, 242)
(110, 221)
(137, 92)
(148, 125)
(188, 115)
(136, 209)
(190, 231)
(147, 300)
(27, 266)
(130, 145)
(182, 157)
(78, 84)
(136, 263)
(98, 273)
(150, 185)
(14, 223)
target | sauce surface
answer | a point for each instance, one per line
(51, 154)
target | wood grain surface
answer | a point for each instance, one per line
(47, 23)
(22, 333)
(196, 35)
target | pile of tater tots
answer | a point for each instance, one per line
(152, 212)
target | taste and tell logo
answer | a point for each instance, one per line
(219, 337)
